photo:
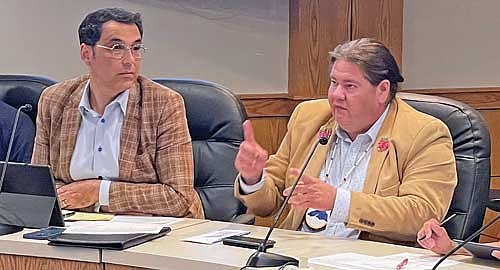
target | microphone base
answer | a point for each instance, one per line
(8, 229)
(264, 259)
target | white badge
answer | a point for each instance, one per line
(316, 220)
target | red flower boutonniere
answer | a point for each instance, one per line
(325, 134)
(383, 144)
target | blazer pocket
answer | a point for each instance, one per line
(389, 191)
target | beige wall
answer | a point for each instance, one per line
(241, 44)
(451, 43)
(244, 44)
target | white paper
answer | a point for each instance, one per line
(351, 261)
(108, 227)
(165, 221)
(420, 261)
(214, 237)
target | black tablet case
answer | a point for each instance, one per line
(105, 241)
(479, 250)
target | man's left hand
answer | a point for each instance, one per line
(311, 192)
(79, 194)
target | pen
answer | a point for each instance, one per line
(402, 264)
(440, 224)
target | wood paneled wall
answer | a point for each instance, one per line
(380, 19)
(316, 27)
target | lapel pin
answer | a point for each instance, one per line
(383, 144)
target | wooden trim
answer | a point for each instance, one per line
(381, 20)
(269, 105)
(483, 98)
(20, 262)
(282, 105)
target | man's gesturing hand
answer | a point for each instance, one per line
(251, 157)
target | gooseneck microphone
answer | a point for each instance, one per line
(27, 108)
(262, 259)
(467, 240)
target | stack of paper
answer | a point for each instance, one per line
(107, 227)
(97, 223)
(351, 261)
(214, 237)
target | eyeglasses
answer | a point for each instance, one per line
(119, 50)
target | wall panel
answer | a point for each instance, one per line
(316, 27)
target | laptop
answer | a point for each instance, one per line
(28, 197)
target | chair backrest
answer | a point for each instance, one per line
(215, 116)
(471, 145)
(17, 90)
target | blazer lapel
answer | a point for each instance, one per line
(129, 140)
(70, 125)
(319, 156)
(378, 157)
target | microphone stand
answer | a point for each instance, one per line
(467, 240)
(261, 258)
(5, 228)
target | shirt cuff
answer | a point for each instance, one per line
(340, 212)
(247, 189)
(104, 193)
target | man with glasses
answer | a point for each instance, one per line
(117, 141)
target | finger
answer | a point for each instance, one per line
(496, 254)
(426, 231)
(287, 190)
(298, 200)
(427, 243)
(248, 132)
(438, 230)
(306, 179)
(251, 154)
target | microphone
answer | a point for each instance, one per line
(467, 240)
(27, 108)
(262, 259)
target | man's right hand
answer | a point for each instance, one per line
(251, 157)
(434, 237)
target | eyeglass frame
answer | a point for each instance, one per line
(114, 52)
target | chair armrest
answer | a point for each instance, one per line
(494, 200)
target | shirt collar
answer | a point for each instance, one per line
(84, 106)
(372, 132)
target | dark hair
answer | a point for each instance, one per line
(90, 29)
(373, 58)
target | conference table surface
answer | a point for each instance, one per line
(36, 254)
(170, 252)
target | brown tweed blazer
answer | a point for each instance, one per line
(156, 160)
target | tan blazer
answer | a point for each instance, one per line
(407, 184)
(156, 161)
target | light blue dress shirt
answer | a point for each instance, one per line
(97, 148)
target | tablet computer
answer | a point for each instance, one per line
(28, 197)
(482, 251)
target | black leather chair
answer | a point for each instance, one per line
(471, 145)
(215, 116)
(17, 90)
